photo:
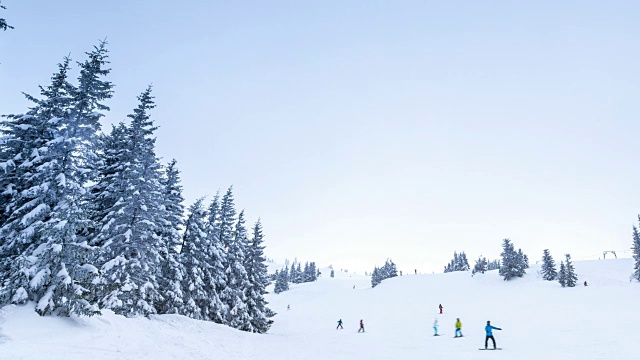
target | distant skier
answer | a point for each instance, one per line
(435, 327)
(354, 287)
(288, 307)
(489, 330)
(440, 307)
(339, 325)
(361, 326)
(585, 283)
(458, 328)
(416, 270)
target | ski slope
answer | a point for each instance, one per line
(539, 320)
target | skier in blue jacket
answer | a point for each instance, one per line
(489, 330)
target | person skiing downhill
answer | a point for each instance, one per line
(361, 326)
(489, 330)
(339, 325)
(440, 307)
(435, 327)
(458, 328)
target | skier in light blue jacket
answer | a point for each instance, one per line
(489, 330)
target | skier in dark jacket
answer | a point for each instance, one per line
(489, 330)
(361, 326)
(339, 325)
(440, 307)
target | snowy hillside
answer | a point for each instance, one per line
(539, 319)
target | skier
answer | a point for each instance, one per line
(416, 271)
(458, 328)
(288, 307)
(339, 325)
(435, 327)
(440, 307)
(585, 283)
(361, 326)
(489, 330)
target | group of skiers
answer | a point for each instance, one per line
(488, 330)
(361, 329)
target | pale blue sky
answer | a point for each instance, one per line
(360, 130)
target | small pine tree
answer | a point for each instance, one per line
(376, 277)
(512, 261)
(480, 266)
(562, 275)
(548, 268)
(571, 279)
(636, 252)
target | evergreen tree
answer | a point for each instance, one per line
(58, 259)
(194, 245)
(233, 296)
(548, 267)
(216, 255)
(282, 281)
(571, 279)
(562, 275)
(512, 261)
(464, 263)
(3, 23)
(480, 266)
(292, 272)
(258, 281)
(376, 279)
(130, 232)
(172, 270)
(636, 252)
(299, 275)
(26, 203)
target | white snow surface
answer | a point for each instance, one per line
(540, 320)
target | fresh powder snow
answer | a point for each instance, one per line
(539, 319)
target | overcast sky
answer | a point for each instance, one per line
(361, 130)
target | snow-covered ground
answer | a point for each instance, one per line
(539, 320)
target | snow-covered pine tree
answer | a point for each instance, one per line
(464, 262)
(172, 275)
(299, 279)
(571, 279)
(130, 232)
(562, 275)
(216, 257)
(282, 281)
(548, 267)
(306, 274)
(512, 263)
(494, 265)
(523, 260)
(234, 296)
(258, 281)
(24, 155)
(375, 277)
(480, 266)
(636, 252)
(292, 272)
(61, 264)
(392, 270)
(197, 293)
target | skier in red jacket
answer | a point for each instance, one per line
(440, 306)
(361, 326)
